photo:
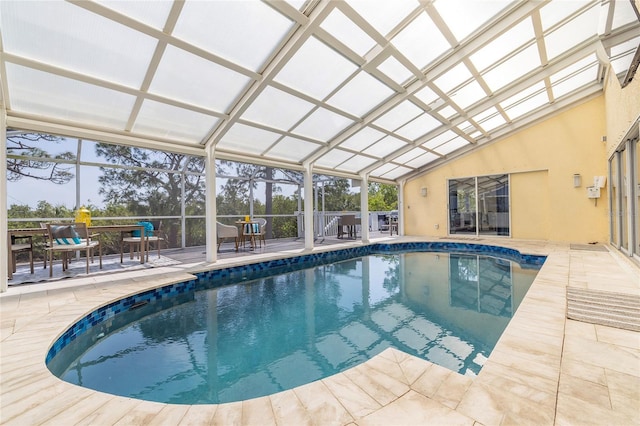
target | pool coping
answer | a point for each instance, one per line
(519, 382)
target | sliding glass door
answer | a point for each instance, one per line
(479, 205)
(624, 201)
(462, 206)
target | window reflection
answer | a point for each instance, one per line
(482, 284)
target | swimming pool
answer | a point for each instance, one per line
(228, 342)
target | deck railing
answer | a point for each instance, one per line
(189, 231)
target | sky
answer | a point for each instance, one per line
(29, 191)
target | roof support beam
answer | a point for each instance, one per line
(533, 118)
(519, 13)
(33, 124)
(29, 63)
(299, 37)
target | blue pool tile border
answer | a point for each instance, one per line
(106, 312)
(248, 270)
(223, 275)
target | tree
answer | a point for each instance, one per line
(382, 197)
(236, 194)
(338, 197)
(35, 165)
(285, 227)
(152, 186)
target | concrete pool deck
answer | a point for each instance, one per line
(544, 370)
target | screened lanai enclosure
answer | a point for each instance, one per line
(366, 90)
(117, 183)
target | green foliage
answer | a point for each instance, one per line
(43, 210)
(338, 196)
(383, 197)
(143, 185)
(284, 227)
(146, 187)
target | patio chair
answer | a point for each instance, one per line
(349, 222)
(66, 238)
(224, 232)
(262, 229)
(153, 234)
(21, 245)
(254, 230)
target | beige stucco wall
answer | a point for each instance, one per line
(622, 107)
(541, 161)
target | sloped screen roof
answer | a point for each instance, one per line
(375, 87)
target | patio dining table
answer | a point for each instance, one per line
(144, 243)
(26, 232)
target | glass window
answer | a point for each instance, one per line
(493, 205)
(615, 179)
(479, 205)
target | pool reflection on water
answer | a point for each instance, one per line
(260, 337)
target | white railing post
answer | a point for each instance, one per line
(308, 207)
(210, 205)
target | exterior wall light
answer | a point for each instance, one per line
(423, 192)
(577, 180)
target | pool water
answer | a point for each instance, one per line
(263, 336)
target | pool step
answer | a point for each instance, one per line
(605, 308)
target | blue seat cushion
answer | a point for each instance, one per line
(247, 228)
(65, 234)
(148, 229)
